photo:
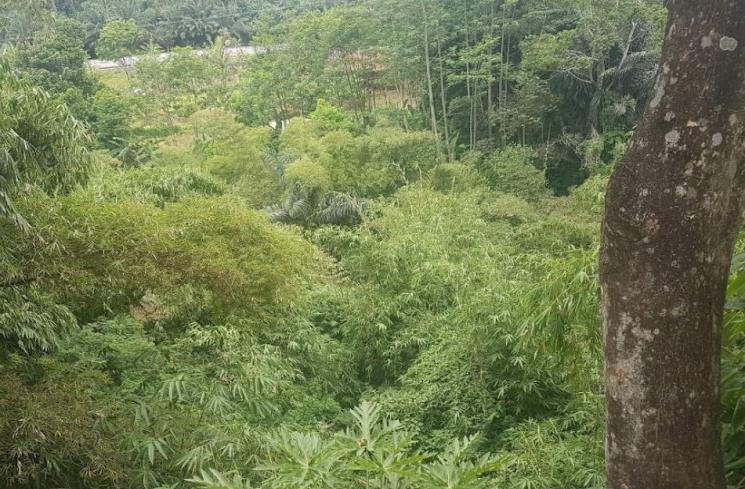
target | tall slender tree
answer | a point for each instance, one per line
(673, 211)
(428, 66)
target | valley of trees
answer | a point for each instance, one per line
(370, 253)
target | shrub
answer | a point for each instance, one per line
(331, 118)
(111, 117)
(308, 179)
(511, 171)
(455, 177)
(155, 185)
(213, 142)
(99, 256)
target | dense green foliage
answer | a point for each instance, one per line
(365, 257)
(40, 143)
(120, 38)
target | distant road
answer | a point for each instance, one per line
(130, 61)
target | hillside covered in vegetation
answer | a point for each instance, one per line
(365, 257)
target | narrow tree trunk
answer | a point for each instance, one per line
(490, 81)
(475, 124)
(428, 65)
(469, 93)
(673, 210)
(629, 41)
(444, 101)
(506, 63)
(502, 88)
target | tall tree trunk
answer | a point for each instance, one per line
(428, 65)
(673, 210)
(444, 101)
(502, 87)
(506, 63)
(469, 92)
(490, 81)
(475, 98)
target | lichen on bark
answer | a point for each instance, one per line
(673, 209)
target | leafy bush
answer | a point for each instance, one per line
(96, 256)
(511, 171)
(30, 321)
(55, 61)
(156, 185)
(331, 118)
(55, 429)
(307, 179)
(120, 38)
(366, 165)
(455, 177)
(111, 117)
(373, 452)
(40, 144)
(213, 142)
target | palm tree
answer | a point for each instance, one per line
(595, 86)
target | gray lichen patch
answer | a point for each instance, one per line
(659, 89)
(727, 43)
(642, 334)
(672, 138)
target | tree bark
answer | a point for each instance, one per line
(673, 210)
(469, 93)
(444, 101)
(430, 90)
(506, 68)
(490, 81)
